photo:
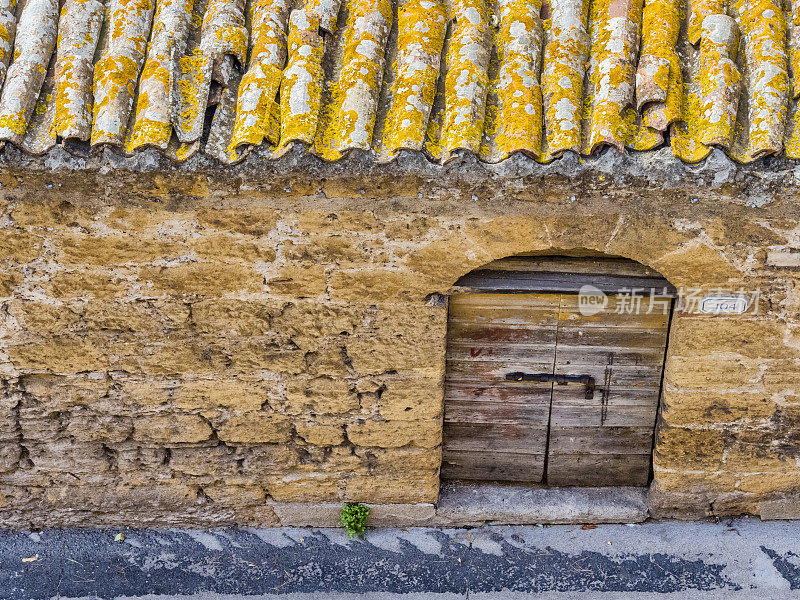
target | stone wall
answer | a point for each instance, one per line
(201, 348)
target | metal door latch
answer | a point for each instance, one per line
(586, 380)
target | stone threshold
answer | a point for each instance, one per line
(465, 505)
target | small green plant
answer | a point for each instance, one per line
(354, 518)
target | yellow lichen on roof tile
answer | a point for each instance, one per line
(421, 26)
(793, 42)
(763, 28)
(116, 73)
(563, 71)
(325, 12)
(222, 49)
(515, 121)
(219, 144)
(718, 80)
(157, 95)
(39, 136)
(698, 11)
(517, 76)
(224, 31)
(684, 137)
(467, 77)
(659, 81)
(301, 86)
(33, 48)
(78, 34)
(791, 138)
(191, 105)
(8, 28)
(350, 118)
(614, 31)
(259, 86)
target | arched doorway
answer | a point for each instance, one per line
(554, 371)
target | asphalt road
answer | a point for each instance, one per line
(665, 560)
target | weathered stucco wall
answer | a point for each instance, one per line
(195, 347)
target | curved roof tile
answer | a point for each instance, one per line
(443, 77)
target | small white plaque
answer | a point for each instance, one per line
(724, 304)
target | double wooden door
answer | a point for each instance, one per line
(540, 391)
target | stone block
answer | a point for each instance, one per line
(679, 448)
(217, 461)
(308, 514)
(320, 433)
(770, 483)
(411, 398)
(246, 220)
(115, 249)
(700, 483)
(408, 487)
(64, 456)
(396, 461)
(781, 508)
(213, 393)
(58, 354)
(171, 428)
(698, 408)
(503, 236)
(711, 335)
(336, 221)
(20, 246)
(305, 487)
(165, 497)
(255, 427)
(85, 283)
(373, 355)
(232, 316)
(712, 373)
(696, 264)
(784, 259)
(298, 281)
(320, 395)
(10, 453)
(326, 250)
(370, 285)
(235, 495)
(231, 248)
(446, 257)
(212, 279)
(107, 429)
(262, 460)
(393, 434)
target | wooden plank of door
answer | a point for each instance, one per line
(606, 439)
(611, 469)
(495, 429)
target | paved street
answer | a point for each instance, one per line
(665, 560)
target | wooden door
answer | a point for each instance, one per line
(606, 439)
(538, 431)
(496, 429)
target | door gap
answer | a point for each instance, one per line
(552, 385)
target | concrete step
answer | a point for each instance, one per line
(462, 505)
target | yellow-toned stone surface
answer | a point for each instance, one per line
(171, 428)
(393, 434)
(194, 348)
(254, 428)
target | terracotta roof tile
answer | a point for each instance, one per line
(443, 77)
